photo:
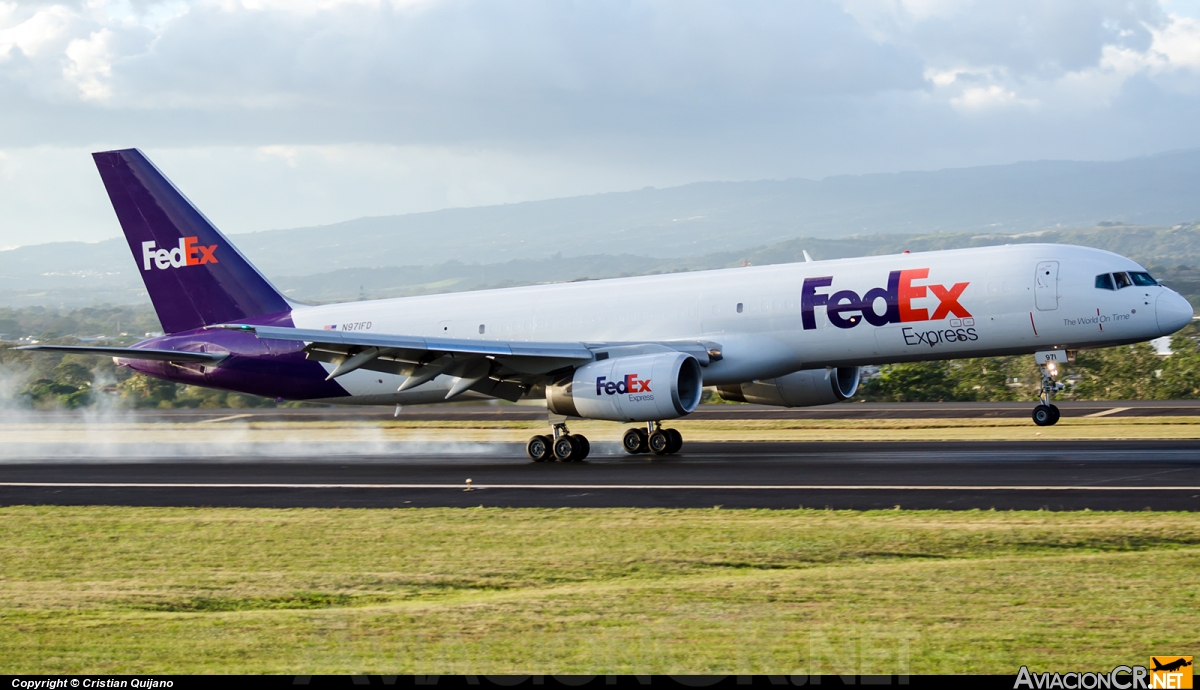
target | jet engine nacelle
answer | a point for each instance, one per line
(640, 388)
(798, 389)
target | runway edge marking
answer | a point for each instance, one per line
(577, 487)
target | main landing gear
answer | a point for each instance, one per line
(562, 446)
(1046, 414)
(653, 439)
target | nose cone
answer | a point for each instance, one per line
(1173, 312)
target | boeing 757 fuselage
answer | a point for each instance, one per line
(627, 349)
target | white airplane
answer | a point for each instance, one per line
(626, 349)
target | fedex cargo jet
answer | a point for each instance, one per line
(629, 349)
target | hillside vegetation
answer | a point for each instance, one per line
(48, 381)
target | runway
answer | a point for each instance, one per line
(849, 410)
(1012, 475)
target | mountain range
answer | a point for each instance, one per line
(1142, 207)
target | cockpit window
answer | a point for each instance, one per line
(1122, 280)
(1142, 279)
(1104, 281)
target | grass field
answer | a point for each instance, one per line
(138, 590)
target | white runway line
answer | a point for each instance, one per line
(578, 487)
(1105, 413)
(225, 419)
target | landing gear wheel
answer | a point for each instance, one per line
(676, 441)
(567, 449)
(660, 442)
(1056, 413)
(1045, 415)
(584, 447)
(634, 442)
(539, 449)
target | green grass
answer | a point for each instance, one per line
(138, 590)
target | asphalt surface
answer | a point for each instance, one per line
(848, 410)
(1107, 475)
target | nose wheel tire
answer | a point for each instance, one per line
(1045, 415)
(539, 449)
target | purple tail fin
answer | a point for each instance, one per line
(195, 277)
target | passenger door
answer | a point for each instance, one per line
(1045, 285)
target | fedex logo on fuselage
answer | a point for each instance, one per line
(188, 253)
(845, 308)
(630, 384)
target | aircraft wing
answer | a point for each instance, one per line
(131, 353)
(495, 348)
(499, 368)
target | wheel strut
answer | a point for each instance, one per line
(1046, 413)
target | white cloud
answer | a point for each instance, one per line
(993, 96)
(1178, 44)
(31, 33)
(90, 65)
(427, 103)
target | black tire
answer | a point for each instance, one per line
(676, 441)
(538, 449)
(1056, 413)
(659, 442)
(634, 441)
(1043, 415)
(566, 448)
(585, 448)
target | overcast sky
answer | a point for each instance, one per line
(284, 113)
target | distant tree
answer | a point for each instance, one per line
(1128, 372)
(912, 382)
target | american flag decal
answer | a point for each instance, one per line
(331, 328)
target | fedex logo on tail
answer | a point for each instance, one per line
(845, 308)
(188, 253)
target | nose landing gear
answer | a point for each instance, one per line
(654, 439)
(563, 446)
(1047, 414)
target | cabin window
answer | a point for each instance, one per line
(1142, 279)
(1122, 280)
(739, 307)
(481, 329)
(1104, 281)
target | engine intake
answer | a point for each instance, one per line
(799, 389)
(641, 388)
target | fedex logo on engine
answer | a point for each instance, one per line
(630, 384)
(845, 308)
(188, 253)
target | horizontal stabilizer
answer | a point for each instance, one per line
(131, 353)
